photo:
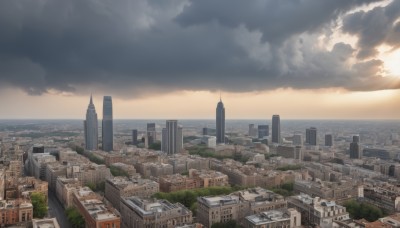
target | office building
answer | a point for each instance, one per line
(107, 124)
(274, 218)
(355, 150)
(220, 122)
(151, 135)
(90, 127)
(134, 137)
(297, 140)
(311, 136)
(263, 131)
(172, 138)
(328, 140)
(293, 152)
(252, 130)
(276, 129)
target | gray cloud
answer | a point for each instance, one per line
(131, 47)
(375, 27)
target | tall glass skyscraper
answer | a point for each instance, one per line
(91, 127)
(220, 115)
(276, 129)
(172, 138)
(107, 125)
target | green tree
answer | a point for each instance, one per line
(363, 210)
(39, 204)
(155, 146)
(76, 219)
(229, 224)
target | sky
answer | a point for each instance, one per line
(302, 59)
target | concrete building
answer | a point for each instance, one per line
(118, 187)
(355, 149)
(317, 211)
(140, 213)
(311, 136)
(107, 125)
(91, 127)
(65, 187)
(328, 140)
(134, 137)
(297, 139)
(294, 152)
(54, 170)
(210, 141)
(45, 223)
(236, 206)
(172, 138)
(89, 173)
(95, 213)
(220, 122)
(382, 195)
(274, 218)
(39, 163)
(252, 131)
(151, 134)
(263, 131)
(276, 129)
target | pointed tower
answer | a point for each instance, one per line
(91, 127)
(220, 121)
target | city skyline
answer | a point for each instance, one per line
(327, 60)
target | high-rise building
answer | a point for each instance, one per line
(263, 131)
(107, 125)
(91, 127)
(355, 150)
(252, 130)
(276, 129)
(328, 140)
(172, 137)
(311, 136)
(297, 139)
(151, 133)
(220, 122)
(134, 137)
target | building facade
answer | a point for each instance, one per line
(107, 125)
(91, 127)
(220, 122)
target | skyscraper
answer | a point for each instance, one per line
(328, 140)
(355, 150)
(91, 127)
(297, 139)
(172, 137)
(151, 133)
(220, 125)
(311, 136)
(252, 130)
(107, 124)
(276, 129)
(134, 137)
(263, 131)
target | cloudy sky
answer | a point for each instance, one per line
(335, 59)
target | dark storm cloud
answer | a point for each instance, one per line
(375, 27)
(129, 47)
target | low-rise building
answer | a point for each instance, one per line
(118, 187)
(64, 189)
(138, 213)
(15, 211)
(282, 218)
(95, 213)
(45, 223)
(316, 211)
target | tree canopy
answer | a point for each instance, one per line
(76, 219)
(39, 204)
(363, 210)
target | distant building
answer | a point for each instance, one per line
(134, 137)
(139, 213)
(14, 212)
(208, 131)
(220, 122)
(252, 130)
(294, 152)
(297, 140)
(90, 127)
(263, 131)
(311, 136)
(172, 138)
(107, 124)
(328, 140)
(276, 129)
(355, 150)
(151, 133)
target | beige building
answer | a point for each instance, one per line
(141, 213)
(317, 211)
(45, 223)
(95, 213)
(15, 212)
(64, 189)
(287, 218)
(237, 206)
(89, 173)
(54, 170)
(118, 187)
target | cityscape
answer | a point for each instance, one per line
(200, 114)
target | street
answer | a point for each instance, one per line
(57, 210)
